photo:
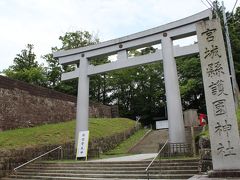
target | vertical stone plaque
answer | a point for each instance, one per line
(223, 128)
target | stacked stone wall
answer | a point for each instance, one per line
(26, 105)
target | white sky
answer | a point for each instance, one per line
(41, 22)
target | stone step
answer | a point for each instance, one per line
(68, 178)
(117, 162)
(75, 178)
(114, 168)
(116, 171)
(113, 165)
(152, 140)
(167, 169)
(104, 176)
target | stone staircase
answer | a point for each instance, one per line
(167, 169)
(150, 143)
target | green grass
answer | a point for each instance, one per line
(204, 133)
(238, 117)
(122, 149)
(60, 133)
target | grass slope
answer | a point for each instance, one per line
(61, 132)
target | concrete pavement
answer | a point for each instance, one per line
(205, 177)
(136, 157)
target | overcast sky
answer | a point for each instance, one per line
(41, 22)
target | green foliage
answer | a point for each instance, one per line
(54, 70)
(234, 31)
(205, 133)
(139, 90)
(128, 143)
(60, 133)
(25, 60)
(26, 68)
(35, 76)
(191, 83)
(238, 117)
(233, 22)
(77, 39)
(100, 85)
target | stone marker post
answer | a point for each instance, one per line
(223, 128)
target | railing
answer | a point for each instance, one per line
(146, 170)
(59, 147)
(171, 149)
(177, 149)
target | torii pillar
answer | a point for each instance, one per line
(82, 99)
(174, 105)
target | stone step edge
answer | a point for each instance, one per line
(119, 162)
(152, 176)
(116, 164)
(112, 168)
(108, 172)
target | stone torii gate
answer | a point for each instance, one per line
(163, 35)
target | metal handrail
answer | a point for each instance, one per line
(146, 170)
(59, 147)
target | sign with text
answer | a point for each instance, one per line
(162, 124)
(223, 128)
(82, 147)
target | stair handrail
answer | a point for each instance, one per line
(24, 164)
(149, 165)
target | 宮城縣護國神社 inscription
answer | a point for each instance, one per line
(223, 128)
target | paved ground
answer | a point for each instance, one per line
(136, 157)
(205, 177)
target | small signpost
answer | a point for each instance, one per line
(82, 147)
(223, 127)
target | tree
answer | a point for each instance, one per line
(25, 60)
(77, 39)
(191, 83)
(139, 90)
(98, 83)
(54, 70)
(26, 68)
(233, 21)
(234, 31)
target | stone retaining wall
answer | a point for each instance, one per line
(25, 105)
(205, 163)
(13, 158)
